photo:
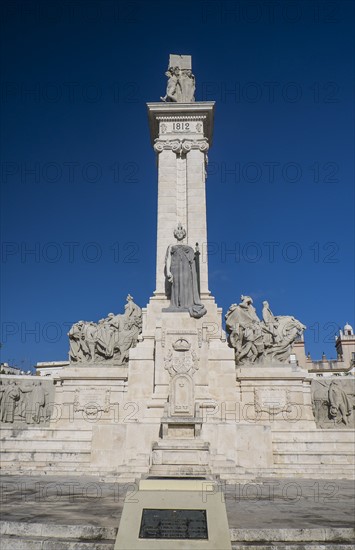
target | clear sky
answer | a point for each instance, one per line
(79, 178)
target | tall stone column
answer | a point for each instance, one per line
(181, 135)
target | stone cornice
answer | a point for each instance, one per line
(199, 110)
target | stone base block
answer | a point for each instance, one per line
(180, 457)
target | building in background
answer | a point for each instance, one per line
(344, 364)
(50, 368)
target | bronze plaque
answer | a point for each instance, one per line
(173, 524)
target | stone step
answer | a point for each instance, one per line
(310, 457)
(290, 435)
(305, 472)
(42, 445)
(313, 467)
(51, 536)
(182, 444)
(220, 467)
(44, 456)
(296, 536)
(293, 546)
(176, 470)
(287, 471)
(67, 470)
(35, 434)
(26, 543)
(319, 446)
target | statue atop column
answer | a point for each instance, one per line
(181, 82)
(255, 341)
(181, 274)
(109, 339)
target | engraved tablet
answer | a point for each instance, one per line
(91, 400)
(272, 400)
(173, 524)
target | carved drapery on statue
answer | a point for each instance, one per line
(181, 82)
(109, 339)
(182, 277)
(24, 401)
(10, 394)
(333, 402)
(255, 341)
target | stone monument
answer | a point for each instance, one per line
(163, 390)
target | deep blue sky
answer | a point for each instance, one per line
(288, 127)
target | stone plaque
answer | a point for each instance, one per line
(173, 524)
(182, 400)
(181, 126)
(91, 400)
(272, 400)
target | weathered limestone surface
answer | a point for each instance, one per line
(334, 402)
(26, 401)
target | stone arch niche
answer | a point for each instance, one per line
(182, 395)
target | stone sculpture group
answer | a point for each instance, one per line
(27, 401)
(253, 340)
(110, 338)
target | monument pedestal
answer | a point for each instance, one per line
(181, 367)
(279, 395)
(169, 514)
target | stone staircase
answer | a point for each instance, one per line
(59, 452)
(180, 457)
(223, 468)
(316, 454)
(308, 453)
(320, 453)
(44, 449)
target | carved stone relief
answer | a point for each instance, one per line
(26, 401)
(272, 401)
(333, 401)
(181, 362)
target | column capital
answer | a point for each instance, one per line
(181, 146)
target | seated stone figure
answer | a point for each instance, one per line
(243, 325)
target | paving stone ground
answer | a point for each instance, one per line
(268, 503)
